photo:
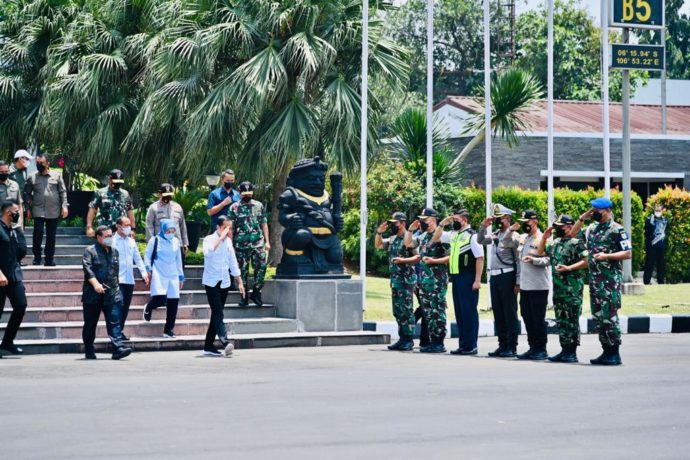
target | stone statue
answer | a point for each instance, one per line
(312, 218)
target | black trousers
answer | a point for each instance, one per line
(533, 310)
(127, 291)
(655, 258)
(92, 312)
(50, 226)
(504, 307)
(16, 294)
(170, 310)
(217, 297)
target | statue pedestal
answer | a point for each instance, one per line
(319, 304)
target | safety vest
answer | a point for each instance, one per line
(461, 256)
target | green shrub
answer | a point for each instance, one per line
(677, 204)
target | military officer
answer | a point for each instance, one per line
(249, 227)
(433, 277)
(504, 280)
(401, 261)
(608, 245)
(568, 256)
(111, 203)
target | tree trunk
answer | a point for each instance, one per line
(469, 147)
(276, 251)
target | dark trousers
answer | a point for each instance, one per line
(216, 327)
(50, 226)
(504, 307)
(655, 258)
(170, 310)
(465, 301)
(16, 294)
(533, 310)
(92, 312)
(127, 291)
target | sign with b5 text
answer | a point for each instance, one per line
(637, 14)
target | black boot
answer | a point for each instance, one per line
(559, 357)
(396, 345)
(613, 358)
(527, 354)
(496, 352)
(244, 300)
(602, 357)
(570, 354)
(256, 297)
(538, 355)
(406, 344)
(435, 347)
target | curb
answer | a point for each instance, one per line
(646, 324)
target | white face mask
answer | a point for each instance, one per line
(657, 213)
(108, 241)
(127, 231)
(169, 236)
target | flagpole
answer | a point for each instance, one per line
(363, 211)
(605, 95)
(487, 124)
(429, 103)
(549, 52)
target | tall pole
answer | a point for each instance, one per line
(627, 222)
(363, 211)
(487, 122)
(429, 103)
(549, 139)
(605, 94)
(663, 83)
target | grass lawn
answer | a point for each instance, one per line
(668, 299)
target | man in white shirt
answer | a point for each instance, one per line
(129, 258)
(219, 264)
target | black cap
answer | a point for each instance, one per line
(429, 212)
(246, 187)
(166, 190)
(528, 215)
(564, 219)
(398, 217)
(461, 212)
(117, 176)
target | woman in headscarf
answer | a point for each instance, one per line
(163, 262)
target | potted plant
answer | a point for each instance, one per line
(189, 199)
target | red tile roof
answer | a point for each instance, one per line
(585, 117)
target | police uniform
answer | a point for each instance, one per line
(248, 217)
(567, 290)
(166, 210)
(403, 279)
(112, 202)
(606, 280)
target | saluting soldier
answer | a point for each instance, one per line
(249, 227)
(401, 261)
(568, 256)
(433, 277)
(608, 245)
(109, 204)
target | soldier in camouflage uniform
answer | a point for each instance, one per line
(608, 245)
(403, 277)
(109, 204)
(433, 277)
(250, 238)
(568, 256)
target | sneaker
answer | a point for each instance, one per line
(121, 352)
(169, 335)
(12, 349)
(214, 353)
(227, 351)
(147, 314)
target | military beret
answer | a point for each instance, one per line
(601, 203)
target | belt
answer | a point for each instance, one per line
(500, 271)
(320, 230)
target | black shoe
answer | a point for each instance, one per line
(121, 352)
(569, 356)
(456, 352)
(557, 358)
(598, 360)
(124, 338)
(90, 355)
(526, 355)
(496, 353)
(213, 352)
(433, 348)
(147, 313)
(471, 352)
(169, 335)
(396, 345)
(12, 349)
(407, 345)
(538, 355)
(255, 296)
(507, 353)
(244, 301)
(50, 263)
(36, 262)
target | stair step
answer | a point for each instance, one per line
(73, 299)
(79, 240)
(72, 231)
(154, 328)
(196, 342)
(72, 260)
(62, 314)
(75, 285)
(64, 250)
(70, 272)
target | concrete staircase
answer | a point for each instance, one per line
(54, 317)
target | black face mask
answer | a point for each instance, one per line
(247, 199)
(41, 167)
(596, 215)
(456, 225)
(560, 232)
(526, 228)
(166, 199)
(424, 226)
(117, 186)
(15, 217)
(4, 177)
(228, 185)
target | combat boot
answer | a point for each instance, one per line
(244, 300)
(433, 348)
(526, 355)
(538, 355)
(496, 353)
(613, 358)
(396, 345)
(557, 358)
(407, 344)
(600, 359)
(569, 354)
(507, 353)
(256, 297)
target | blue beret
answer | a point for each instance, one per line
(601, 203)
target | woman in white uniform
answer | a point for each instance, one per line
(163, 262)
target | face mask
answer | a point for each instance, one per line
(108, 241)
(169, 236)
(127, 230)
(247, 199)
(456, 225)
(117, 186)
(424, 226)
(526, 228)
(656, 214)
(166, 199)
(4, 177)
(228, 185)
(15, 217)
(41, 167)
(596, 215)
(560, 232)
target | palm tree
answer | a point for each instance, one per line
(513, 93)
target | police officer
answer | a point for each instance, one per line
(12, 251)
(220, 199)
(19, 172)
(466, 264)
(249, 227)
(433, 277)
(656, 229)
(608, 245)
(47, 197)
(401, 261)
(166, 208)
(110, 203)
(504, 280)
(567, 256)
(10, 190)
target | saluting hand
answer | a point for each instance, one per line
(382, 228)
(415, 225)
(548, 232)
(587, 215)
(515, 227)
(488, 222)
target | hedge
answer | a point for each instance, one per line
(677, 204)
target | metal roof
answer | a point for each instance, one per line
(586, 117)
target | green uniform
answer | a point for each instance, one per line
(567, 288)
(433, 281)
(20, 176)
(403, 279)
(111, 205)
(606, 278)
(248, 239)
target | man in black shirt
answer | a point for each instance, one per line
(101, 292)
(12, 251)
